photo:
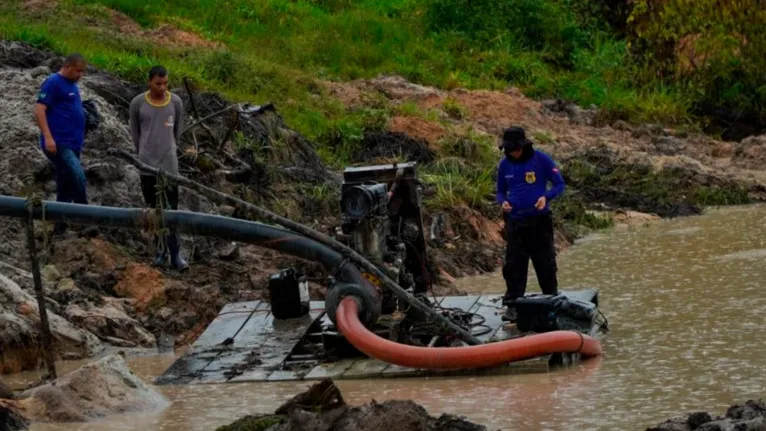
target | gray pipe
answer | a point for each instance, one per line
(193, 223)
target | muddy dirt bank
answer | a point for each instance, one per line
(322, 408)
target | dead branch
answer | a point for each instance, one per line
(201, 121)
(196, 113)
(234, 124)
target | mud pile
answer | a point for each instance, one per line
(111, 388)
(750, 416)
(648, 168)
(322, 408)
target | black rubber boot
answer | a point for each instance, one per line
(510, 315)
(176, 260)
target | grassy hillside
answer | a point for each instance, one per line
(575, 49)
(591, 52)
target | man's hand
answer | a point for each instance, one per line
(540, 205)
(506, 207)
(50, 145)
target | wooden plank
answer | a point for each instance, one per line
(284, 375)
(256, 375)
(331, 370)
(226, 360)
(255, 331)
(365, 368)
(226, 325)
(398, 371)
(242, 306)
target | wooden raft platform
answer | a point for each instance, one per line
(245, 343)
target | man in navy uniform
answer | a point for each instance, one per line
(522, 192)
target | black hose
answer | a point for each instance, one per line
(193, 223)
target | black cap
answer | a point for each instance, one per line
(514, 138)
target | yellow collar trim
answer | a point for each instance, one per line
(165, 103)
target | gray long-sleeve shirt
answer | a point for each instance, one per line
(155, 130)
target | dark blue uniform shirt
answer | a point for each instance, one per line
(65, 114)
(523, 183)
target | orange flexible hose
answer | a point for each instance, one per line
(485, 355)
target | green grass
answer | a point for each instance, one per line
(277, 50)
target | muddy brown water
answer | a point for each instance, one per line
(686, 309)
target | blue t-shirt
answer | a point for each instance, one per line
(522, 184)
(65, 114)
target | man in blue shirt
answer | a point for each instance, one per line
(61, 118)
(522, 192)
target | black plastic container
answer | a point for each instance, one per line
(543, 313)
(289, 293)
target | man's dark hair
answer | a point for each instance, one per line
(74, 59)
(157, 71)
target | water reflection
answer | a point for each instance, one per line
(685, 308)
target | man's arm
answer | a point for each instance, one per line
(178, 126)
(134, 122)
(44, 100)
(502, 186)
(554, 176)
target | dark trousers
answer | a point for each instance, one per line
(169, 197)
(531, 238)
(70, 177)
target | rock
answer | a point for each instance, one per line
(20, 54)
(108, 322)
(66, 284)
(227, 210)
(669, 145)
(397, 87)
(102, 172)
(230, 252)
(722, 150)
(50, 274)
(39, 71)
(19, 331)
(5, 391)
(750, 416)
(634, 217)
(12, 417)
(93, 391)
(750, 153)
(575, 113)
(622, 125)
(165, 313)
(644, 131)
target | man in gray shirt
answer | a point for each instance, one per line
(156, 123)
